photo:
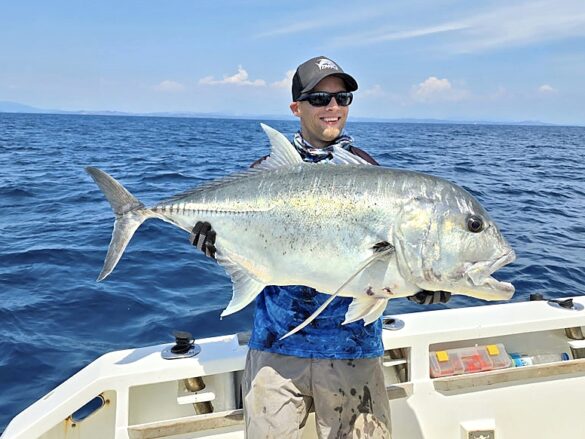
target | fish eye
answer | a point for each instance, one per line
(474, 223)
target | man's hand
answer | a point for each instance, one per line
(203, 237)
(430, 297)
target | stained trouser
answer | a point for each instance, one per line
(349, 397)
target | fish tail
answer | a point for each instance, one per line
(130, 214)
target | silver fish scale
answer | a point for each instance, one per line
(254, 190)
(279, 225)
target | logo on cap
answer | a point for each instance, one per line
(326, 64)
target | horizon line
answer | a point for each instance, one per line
(27, 109)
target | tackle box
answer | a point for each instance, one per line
(468, 360)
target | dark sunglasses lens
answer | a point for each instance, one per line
(344, 98)
(319, 99)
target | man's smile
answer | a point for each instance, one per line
(330, 120)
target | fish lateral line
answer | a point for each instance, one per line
(178, 208)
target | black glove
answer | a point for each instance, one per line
(430, 297)
(203, 237)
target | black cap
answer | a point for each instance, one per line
(310, 72)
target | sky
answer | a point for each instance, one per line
(448, 59)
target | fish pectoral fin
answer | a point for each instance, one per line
(365, 308)
(282, 153)
(384, 252)
(245, 287)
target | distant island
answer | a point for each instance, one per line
(15, 107)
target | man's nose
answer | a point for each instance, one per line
(332, 103)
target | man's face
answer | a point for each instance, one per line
(321, 125)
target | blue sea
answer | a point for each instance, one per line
(55, 226)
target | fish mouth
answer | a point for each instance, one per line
(483, 285)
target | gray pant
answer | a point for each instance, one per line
(349, 397)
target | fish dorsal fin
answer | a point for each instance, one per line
(245, 287)
(282, 153)
(344, 157)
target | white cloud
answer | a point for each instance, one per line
(240, 78)
(168, 86)
(375, 90)
(524, 24)
(297, 27)
(434, 89)
(546, 89)
(383, 35)
(342, 18)
(501, 93)
(521, 24)
(286, 82)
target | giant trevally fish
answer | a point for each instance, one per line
(347, 229)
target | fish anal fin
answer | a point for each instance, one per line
(365, 308)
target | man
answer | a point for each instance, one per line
(335, 369)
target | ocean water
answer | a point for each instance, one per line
(55, 226)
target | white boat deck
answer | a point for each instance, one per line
(143, 395)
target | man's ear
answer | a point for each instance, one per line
(295, 108)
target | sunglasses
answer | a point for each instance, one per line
(322, 98)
